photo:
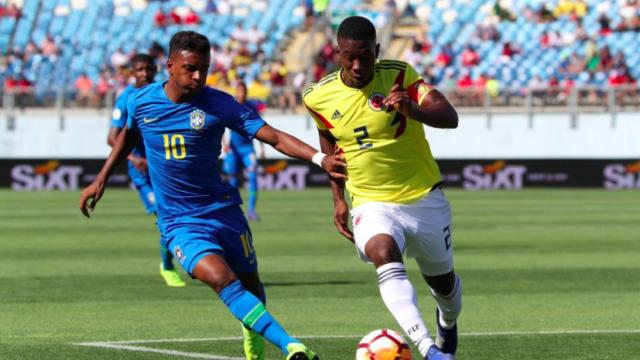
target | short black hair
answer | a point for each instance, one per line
(190, 41)
(144, 58)
(357, 28)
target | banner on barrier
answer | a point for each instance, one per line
(512, 174)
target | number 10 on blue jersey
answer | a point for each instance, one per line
(174, 147)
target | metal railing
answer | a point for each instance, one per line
(470, 100)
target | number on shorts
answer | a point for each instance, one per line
(246, 244)
(447, 236)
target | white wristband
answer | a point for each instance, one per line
(317, 158)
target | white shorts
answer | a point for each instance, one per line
(421, 230)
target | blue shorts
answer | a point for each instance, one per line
(142, 182)
(224, 233)
(234, 161)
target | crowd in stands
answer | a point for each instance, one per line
(459, 68)
(584, 58)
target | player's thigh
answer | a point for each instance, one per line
(249, 161)
(189, 241)
(230, 164)
(371, 219)
(232, 232)
(428, 233)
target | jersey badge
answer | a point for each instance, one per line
(336, 115)
(375, 102)
(196, 118)
(179, 253)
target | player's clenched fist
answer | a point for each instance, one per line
(399, 99)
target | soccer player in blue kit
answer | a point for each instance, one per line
(241, 154)
(144, 70)
(181, 123)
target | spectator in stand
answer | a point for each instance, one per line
(544, 14)
(630, 17)
(119, 59)
(470, 57)
(605, 24)
(445, 57)
(255, 36)
(464, 88)
(606, 59)
(104, 86)
(503, 12)
(581, 33)
(328, 54)
(280, 86)
(174, 18)
(319, 68)
(49, 48)
(413, 55)
(84, 89)
(487, 31)
(160, 19)
(211, 7)
(12, 10)
(191, 18)
(239, 34)
(508, 51)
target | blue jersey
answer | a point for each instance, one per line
(119, 116)
(241, 144)
(183, 142)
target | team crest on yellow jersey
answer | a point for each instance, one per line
(196, 118)
(375, 102)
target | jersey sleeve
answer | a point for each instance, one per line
(416, 87)
(308, 104)
(119, 114)
(240, 119)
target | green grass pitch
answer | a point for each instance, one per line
(546, 274)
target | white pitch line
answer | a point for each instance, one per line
(128, 345)
(158, 351)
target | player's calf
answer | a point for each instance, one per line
(447, 312)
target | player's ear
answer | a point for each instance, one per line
(170, 66)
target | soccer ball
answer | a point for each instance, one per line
(383, 344)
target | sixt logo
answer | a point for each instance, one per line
(280, 175)
(48, 176)
(620, 176)
(497, 175)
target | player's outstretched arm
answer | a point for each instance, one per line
(333, 164)
(340, 206)
(434, 109)
(90, 196)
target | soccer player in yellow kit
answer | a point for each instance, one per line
(374, 112)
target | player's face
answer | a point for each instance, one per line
(144, 72)
(188, 71)
(357, 59)
(241, 94)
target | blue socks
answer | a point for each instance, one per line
(253, 190)
(251, 312)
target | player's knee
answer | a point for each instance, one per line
(382, 249)
(443, 284)
(217, 281)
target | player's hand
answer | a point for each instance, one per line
(335, 165)
(398, 99)
(341, 219)
(90, 197)
(139, 163)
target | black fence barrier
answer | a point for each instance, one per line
(511, 174)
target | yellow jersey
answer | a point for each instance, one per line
(388, 156)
